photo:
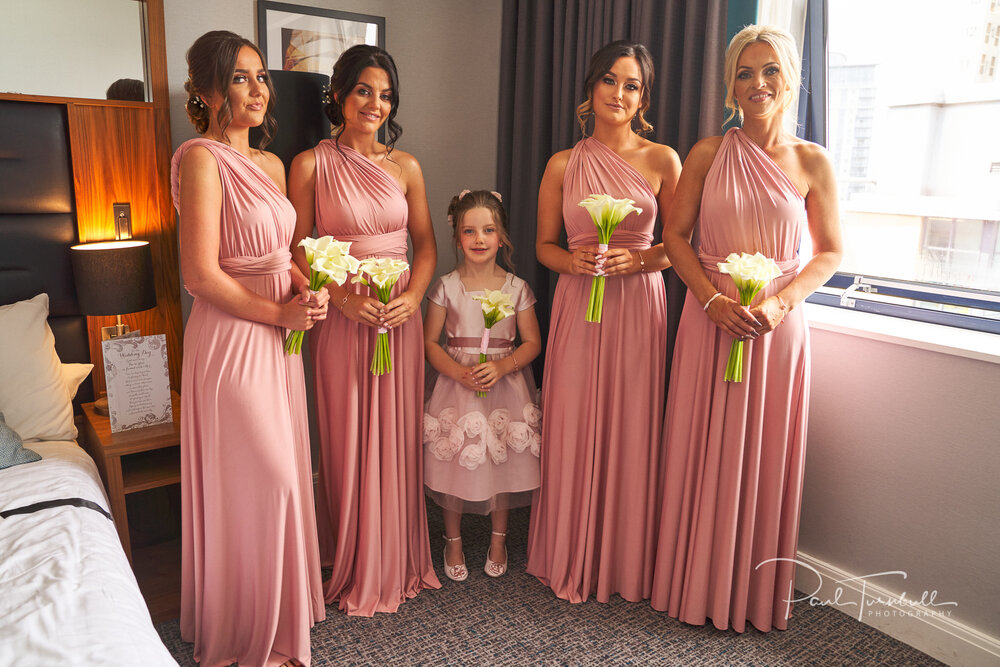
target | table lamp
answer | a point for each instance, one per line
(113, 278)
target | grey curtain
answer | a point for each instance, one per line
(546, 47)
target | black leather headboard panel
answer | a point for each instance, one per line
(35, 172)
(38, 221)
(34, 257)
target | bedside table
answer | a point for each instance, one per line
(133, 461)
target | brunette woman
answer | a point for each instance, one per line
(250, 576)
(372, 519)
(592, 529)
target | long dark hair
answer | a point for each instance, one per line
(601, 63)
(211, 64)
(346, 73)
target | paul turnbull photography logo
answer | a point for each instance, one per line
(865, 595)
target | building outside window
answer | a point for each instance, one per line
(915, 141)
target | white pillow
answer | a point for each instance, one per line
(73, 376)
(33, 395)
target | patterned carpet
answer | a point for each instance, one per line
(515, 620)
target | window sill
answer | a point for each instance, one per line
(921, 335)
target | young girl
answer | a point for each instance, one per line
(481, 452)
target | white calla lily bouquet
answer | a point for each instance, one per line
(329, 261)
(607, 212)
(496, 306)
(382, 272)
(751, 273)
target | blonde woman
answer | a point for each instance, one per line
(733, 466)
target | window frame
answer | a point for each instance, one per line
(864, 292)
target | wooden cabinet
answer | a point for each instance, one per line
(130, 462)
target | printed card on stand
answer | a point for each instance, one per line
(138, 381)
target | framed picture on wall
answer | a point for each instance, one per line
(310, 39)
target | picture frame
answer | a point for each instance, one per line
(310, 39)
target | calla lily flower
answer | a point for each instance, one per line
(329, 261)
(382, 272)
(751, 273)
(606, 212)
(496, 306)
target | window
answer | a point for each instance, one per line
(914, 141)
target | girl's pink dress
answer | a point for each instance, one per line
(250, 573)
(481, 453)
(734, 452)
(592, 523)
(370, 508)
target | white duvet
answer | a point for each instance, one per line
(67, 594)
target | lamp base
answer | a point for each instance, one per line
(101, 406)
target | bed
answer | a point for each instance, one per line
(67, 593)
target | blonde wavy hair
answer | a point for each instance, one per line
(784, 47)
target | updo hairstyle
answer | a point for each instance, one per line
(211, 65)
(468, 200)
(601, 63)
(346, 73)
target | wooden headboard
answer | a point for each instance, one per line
(38, 222)
(87, 155)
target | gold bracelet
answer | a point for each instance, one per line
(642, 262)
(514, 359)
(343, 302)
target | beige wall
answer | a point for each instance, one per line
(901, 471)
(447, 53)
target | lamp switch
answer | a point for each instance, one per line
(123, 220)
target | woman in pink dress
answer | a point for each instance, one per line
(734, 452)
(371, 513)
(250, 574)
(592, 528)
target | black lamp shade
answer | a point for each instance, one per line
(114, 277)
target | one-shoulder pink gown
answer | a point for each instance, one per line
(371, 513)
(592, 523)
(250, 572)
(734, 452)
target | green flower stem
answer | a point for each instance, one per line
(381, 359)
(734, 367)
(595, 308)
(482, 358)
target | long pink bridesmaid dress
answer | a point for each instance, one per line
(372, 519)
(735, 452)
(592, 523)
(250, 571)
